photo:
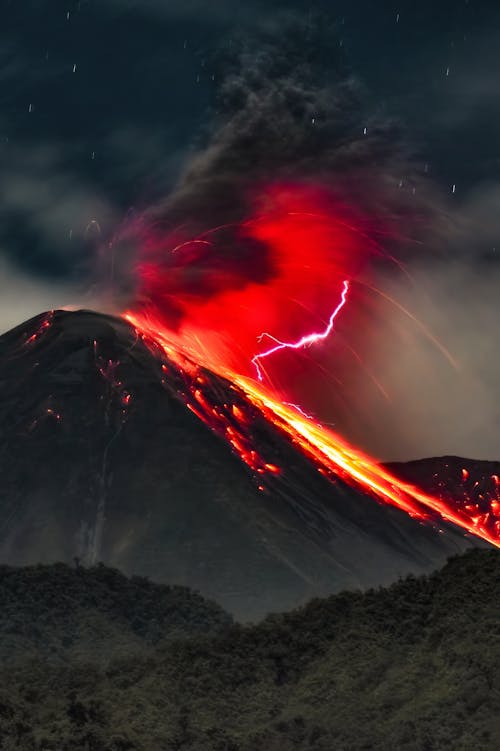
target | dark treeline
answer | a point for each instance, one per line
(414, 666)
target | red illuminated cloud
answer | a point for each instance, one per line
(280, 270)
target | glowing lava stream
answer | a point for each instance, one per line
(329, 452)
(303, 341)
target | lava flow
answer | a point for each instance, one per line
(205, 320)
(332, 455)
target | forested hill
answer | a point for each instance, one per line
(415, 666)
(62, 612)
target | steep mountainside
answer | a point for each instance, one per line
(100, 459)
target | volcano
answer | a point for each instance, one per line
(104, 458)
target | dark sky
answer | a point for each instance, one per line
(102, 99)
(102, 102)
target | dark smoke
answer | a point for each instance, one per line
(285, 108)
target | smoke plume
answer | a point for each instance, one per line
(293, 186)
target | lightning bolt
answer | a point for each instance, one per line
(304, 341)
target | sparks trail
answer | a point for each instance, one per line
(305, 340)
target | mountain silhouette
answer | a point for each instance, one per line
(102, 461)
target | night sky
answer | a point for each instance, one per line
(104, 102)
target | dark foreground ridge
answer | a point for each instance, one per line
(65, 613)
(414, 666)
(101, 459)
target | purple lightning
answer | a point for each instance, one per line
(305, 340)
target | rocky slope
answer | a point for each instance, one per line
(101, 460)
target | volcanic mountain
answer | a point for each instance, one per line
(103, 457)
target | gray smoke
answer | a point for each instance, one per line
(290, 110)
(287, 108)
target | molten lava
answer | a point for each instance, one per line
(204, 304)
(332, 455)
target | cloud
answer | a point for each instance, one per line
(437, 406)
(54, 226)
(282, 115)
(57, 222)
(24, 296)
(37, 186)
(287, 108)
(469, 91)
(477, 217)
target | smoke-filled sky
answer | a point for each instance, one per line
(114, 113)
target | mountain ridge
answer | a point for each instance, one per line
(120, 471)
(62, 613)
(413, 666)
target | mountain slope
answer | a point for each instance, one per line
(414, 667)
(100, 459)
(452, 477)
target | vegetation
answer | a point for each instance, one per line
(415, 666)
(62, 613)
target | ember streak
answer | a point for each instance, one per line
(44, 325)
(108, 370)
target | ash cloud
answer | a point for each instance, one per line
(286, 107)
(281, 113)
(436, 408)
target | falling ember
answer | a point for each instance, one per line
(55, 415)
(304, 341)
(43, 327)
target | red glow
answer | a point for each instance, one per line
(274, 272)
(196, 305)
(304, 341)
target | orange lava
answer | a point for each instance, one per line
(331, 454)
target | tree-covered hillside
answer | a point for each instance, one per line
(415, 666)
(63, 613)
